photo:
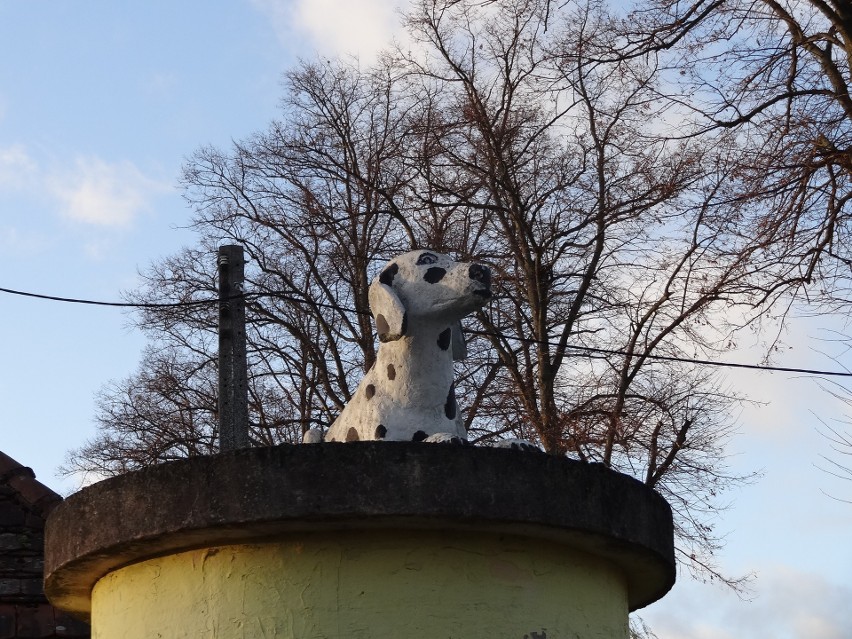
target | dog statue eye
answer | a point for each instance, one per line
(427, 258)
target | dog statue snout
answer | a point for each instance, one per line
(480, 274)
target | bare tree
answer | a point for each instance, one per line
(519, 133)
(776, 77)
(603, 237)
(161, 413)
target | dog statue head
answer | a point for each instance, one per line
(427, 286)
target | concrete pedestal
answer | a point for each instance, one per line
(366, 540)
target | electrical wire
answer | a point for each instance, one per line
(72, 300)
(290, 298)
(674, 358)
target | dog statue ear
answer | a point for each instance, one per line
(459, 345)
(388, 312)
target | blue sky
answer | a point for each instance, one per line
(99, 104)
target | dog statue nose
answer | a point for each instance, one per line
(480, 274)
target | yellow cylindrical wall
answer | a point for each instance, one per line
(381, 584)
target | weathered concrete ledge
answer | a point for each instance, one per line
(251, 495)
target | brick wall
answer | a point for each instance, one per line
(24, 610)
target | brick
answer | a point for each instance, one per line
(13, 541)
(10, 586)
(21, 565)
(32, 541)
(33, 587)
(24, 541)
(11, 515)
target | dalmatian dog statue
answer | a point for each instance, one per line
(417, 302)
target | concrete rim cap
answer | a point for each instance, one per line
(253, 494)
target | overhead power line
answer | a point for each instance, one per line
(590, 350)
(684, 360)
(73, 300)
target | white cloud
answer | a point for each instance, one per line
(103, 194)
(789, 604)
(335, 27)
(17, 168)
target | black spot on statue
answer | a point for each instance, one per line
(419, 436)
(450, 407)
(352, 435)
(388, 274)
(391, 372)
(444, 339)
(381, 431)
(427, 258)
(434, 275)
(370, 391)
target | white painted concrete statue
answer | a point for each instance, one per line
(417, 302)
